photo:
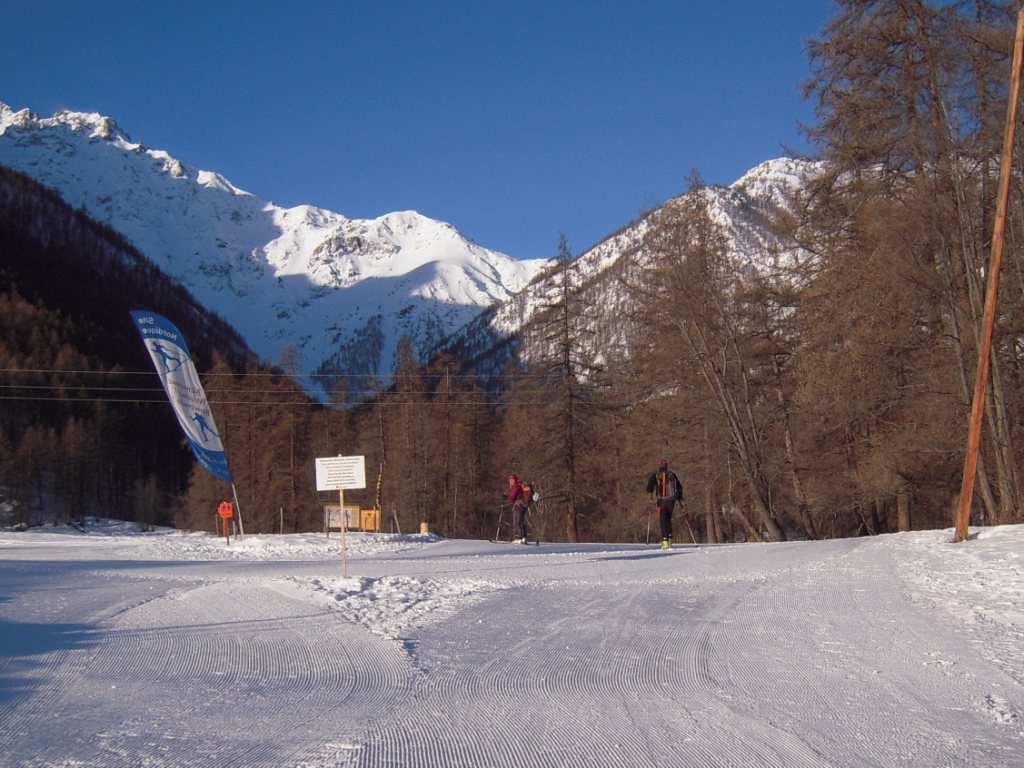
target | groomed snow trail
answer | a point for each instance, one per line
(689, 659)
(474, 654)
(225, 673)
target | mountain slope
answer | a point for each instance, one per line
(300, 276)
(81, 431)
(744, 210)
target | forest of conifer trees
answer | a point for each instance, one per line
(821, 390)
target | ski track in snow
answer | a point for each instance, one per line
(685, 674)
(199, 674)
(122, 651)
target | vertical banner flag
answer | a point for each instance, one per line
(181, 383)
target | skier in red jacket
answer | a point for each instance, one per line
(517, 498)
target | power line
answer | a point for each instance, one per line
(279, 374)
(222, 392)
(374, 396)
(276, 403)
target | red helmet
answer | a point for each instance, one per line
(514, 478)
(663, 464)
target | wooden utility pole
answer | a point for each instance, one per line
(995, 259)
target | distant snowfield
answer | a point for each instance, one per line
(171, 649)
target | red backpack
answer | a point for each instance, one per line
(527, 489)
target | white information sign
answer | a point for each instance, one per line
(340, 473)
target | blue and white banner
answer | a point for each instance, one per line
(181, 383)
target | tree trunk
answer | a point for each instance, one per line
(903, 509)
(803, 507)
(712, 525)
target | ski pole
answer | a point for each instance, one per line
(649, 522)
(686, 519)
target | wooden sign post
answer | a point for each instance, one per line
(226, 510)
(338, 473)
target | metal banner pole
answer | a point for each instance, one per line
(238, 511)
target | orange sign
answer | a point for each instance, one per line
(226, 509)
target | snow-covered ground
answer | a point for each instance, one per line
(171, 649)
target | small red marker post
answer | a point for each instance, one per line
(226, 510)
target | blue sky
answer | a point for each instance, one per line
(513, 121)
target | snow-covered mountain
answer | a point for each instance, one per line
(744, 210)
(342, 291)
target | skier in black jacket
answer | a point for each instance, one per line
(667, 490)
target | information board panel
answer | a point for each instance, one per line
(334, 515)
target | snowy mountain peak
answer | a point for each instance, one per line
(744, 210)
(772, 180)
(90, 124)
(341, 291)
